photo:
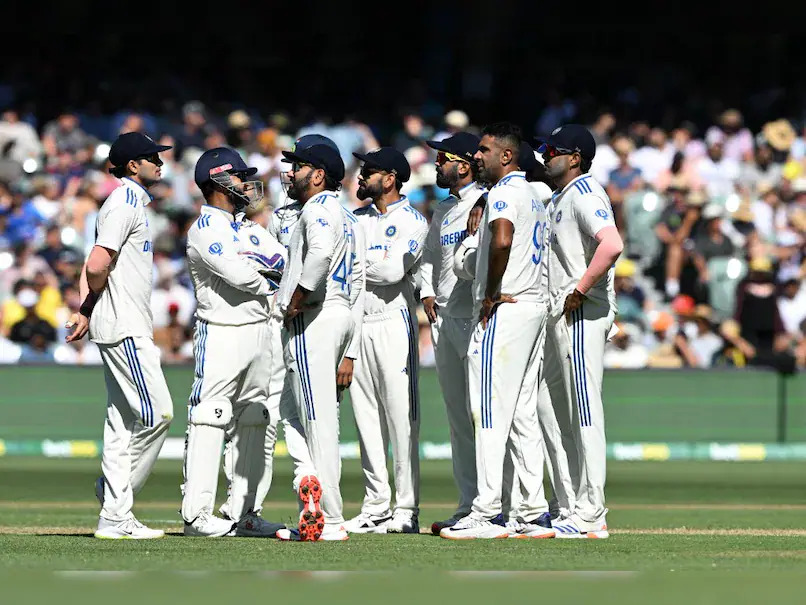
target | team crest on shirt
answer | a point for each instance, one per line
(254, 240)
(602, 214)
(500, 205)
(559, 215)
(216, 248)
(391, 230)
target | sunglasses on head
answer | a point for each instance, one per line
(444, 156)
(549, 151)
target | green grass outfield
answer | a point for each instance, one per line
(737, 530)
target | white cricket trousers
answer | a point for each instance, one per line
(502, 379)
(451, 337)
(138, 414)
(552, 394)
(385, 398)
(580, 342)
(314, 348)
(282, 409)
(229, 394)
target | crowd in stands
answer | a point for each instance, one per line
(714, 222)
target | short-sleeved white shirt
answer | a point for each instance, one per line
(579, 212)
(514, 199)
(124, 307)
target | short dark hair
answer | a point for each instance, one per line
(331, 184)
(585, 164)
(207, 188)
(506, 132)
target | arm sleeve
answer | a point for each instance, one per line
(430, 258)
(593, 214)
(399, 259)
(219, 254)
(320, 237)
(115, 226)
(358, 290)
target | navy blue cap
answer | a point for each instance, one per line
(309, 140)
(387, 159)
(526, 158)
(571, 137)
(463, 144)
(321, 156)
(133, 146)
(220, 159)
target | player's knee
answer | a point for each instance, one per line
(217, 413)
(255, 414)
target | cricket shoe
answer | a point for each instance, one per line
(538, 528)
(311, 519)
(573, 528)
(438, 526)
(253, 525)
(403, 522)
(471, 528)
(367, 524)
(99, 490)
(332, 532)
(128, 529)
(207, 525)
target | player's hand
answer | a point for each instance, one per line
(344, 375)
(430, 306)
(573, 302)
(474, 219)
(77, 327)
(489, 305)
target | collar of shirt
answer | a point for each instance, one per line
(519, 174)
(141, 191)
(402, 202)
(323, 194)
(230, 219)
(558, 193)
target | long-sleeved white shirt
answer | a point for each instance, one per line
(447, 231)
(394, 244)
(319, 257)
(229, 290)
(358, 251)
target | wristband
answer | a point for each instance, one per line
(89, 304)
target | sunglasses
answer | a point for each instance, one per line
(296, 166)
(444, 156)
(547, 151)
(367, 172)
(154, 159)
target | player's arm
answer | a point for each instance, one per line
(399, 259)
(320, 237)
(218, 253)
(427, 273)
(476, 214)
(112, 231)
(344, 374)
(595, 219)
(501, 223)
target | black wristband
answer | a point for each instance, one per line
(89, 304)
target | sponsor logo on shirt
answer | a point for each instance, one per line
(413, 245)
(500, 205)
(452, 238)
(147, 246)
(602, 214)
(322, 222)
(216, 248)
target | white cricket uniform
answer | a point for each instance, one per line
(503, 358)
(320, 260)
(385, 388)
(233, 359)
(139, 406)
(450, 333)
(282, 222)
(580, 211)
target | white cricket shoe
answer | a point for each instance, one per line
(513, 526)
(574, 528)
(403, 522)
(537, 528)
(254, 526)
(207, 525)
(471, 528)
(438, 526)
(367, 524)
(128, 529)
(99, 490)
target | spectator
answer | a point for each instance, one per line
(792, 305)
(737, 139)
(25, 266)
(625, 350)
(31, 327)
(630, 299)
(768, 212)
(454, 121)
(22, 220)
(711, 242)
(413, 133)
(718, 171)
(9, 351)
(82, 352)
(24, 141)
(660, 343)
(625, 177)
(654, 157)
(760, 168)
(194, 127)
(697, 343)
(63, 135)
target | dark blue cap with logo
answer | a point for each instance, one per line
(387, 159)
(571, 137)
(133, 146)
(220, 159)
(463, 144)
(320, 156)
(309, 140)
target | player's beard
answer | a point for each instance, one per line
(298, 187)
(447, 179)
(367, 191)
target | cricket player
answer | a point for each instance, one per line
(115, 287)
(504, 350)
(385, 389)
(315, 295)
(232, 348)
(448, 304)
(585, 244)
